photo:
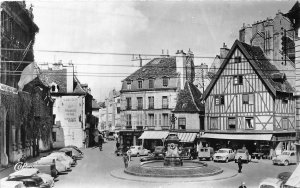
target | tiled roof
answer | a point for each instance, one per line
(157, 68)
(268, 70)
(189, 99)
(262, 66)
(57, 76)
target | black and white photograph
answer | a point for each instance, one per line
(150, 94)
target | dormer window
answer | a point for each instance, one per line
(53, 88)
(140, 84)
(165, 81)
(128, 85)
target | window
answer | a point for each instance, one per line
(181, 123)
(140, 103)
(151, 83)
(128, 103)
(238, 80)
(285, 100)
(151, 119)
(53, 88)
(214, 123)
(219, 99)
(129, 85)
(165, 81)
(249, 123)
(237, 59)
(284, 123)
(248, 98)
(54, 136)
(165, 120)
(140, 84)
(118, 110)
(128, 120)
(151, 102)
(165, 104)
(231, 123)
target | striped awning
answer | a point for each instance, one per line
(187, 137)
(154, 135)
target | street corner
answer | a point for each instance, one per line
(226, 174)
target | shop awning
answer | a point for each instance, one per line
(154, 135)
(294, 179)
(187, 137)
(266, 137)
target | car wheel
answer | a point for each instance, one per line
(137, 154)
(226, 160)
(286, 162)
(274, 163)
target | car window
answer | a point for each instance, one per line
(131, 147)
(292, 154)
(266, 186)
(206, 150)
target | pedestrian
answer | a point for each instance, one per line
(117, 145)
(129, 154)
(100, 141)
(243, 185)
(125, 159)
(240, 163)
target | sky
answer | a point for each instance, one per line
(101, 38)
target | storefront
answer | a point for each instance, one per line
(130, 137)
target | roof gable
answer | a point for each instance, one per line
(189, 99)
(260, 64)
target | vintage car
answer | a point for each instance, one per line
(48, 167)
(65, 157)
(59, 166)
(30, 177)
(244, 154)
(137, 151)
(286, 157)
(188, 153)
(206, 153)
(224, 154)
(73, 153)
(158, 154)
(271, 183)
(67, 164)
(75, 147)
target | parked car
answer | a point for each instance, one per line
(271, 183)
(137, 151)
(246, 157)
(59, 166)
(110, 136)
(286, 157)
(76, 148)
(224, 154)
(30, 177)
(188, 153)
(158, 154)
(48, 167)
(74, 153)
(206, 153)
(65, 157)
(67, 164)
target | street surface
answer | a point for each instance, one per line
(94, 170)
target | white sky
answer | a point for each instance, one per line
(138, 27)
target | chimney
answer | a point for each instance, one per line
(224, 51)
(70, 77)
(245, 34)
(180, 67)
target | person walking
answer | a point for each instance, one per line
(100, 141)
(125, 159)
(240, 163)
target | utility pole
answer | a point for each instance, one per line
(139, 58)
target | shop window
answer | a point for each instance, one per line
(231, 123)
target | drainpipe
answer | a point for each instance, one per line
(297, 96)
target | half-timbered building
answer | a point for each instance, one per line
(249, 102)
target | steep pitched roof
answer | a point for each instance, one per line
(189, 99)
(261, 66)
(57, 76)
(157, 67)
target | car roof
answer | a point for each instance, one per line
(25, 172)
(224, 149)
(272, 181)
